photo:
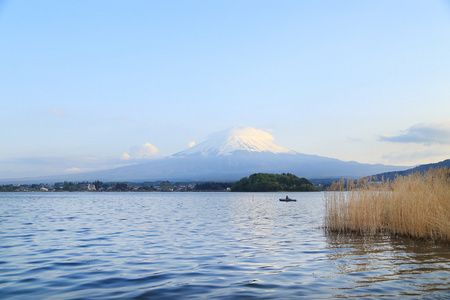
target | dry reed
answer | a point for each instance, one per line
(416, 206)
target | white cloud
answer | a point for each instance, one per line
(125, 156)
(144, 151)
(426, 134)
(191, 144)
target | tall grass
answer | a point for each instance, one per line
(416, 206)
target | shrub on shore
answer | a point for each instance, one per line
(416, 206)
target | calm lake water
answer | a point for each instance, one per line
(201, 246)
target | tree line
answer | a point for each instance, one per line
(258, 182)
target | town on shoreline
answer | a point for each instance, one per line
(258, 182)
(98, 186)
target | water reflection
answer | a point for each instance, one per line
(390, 266)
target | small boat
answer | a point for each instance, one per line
(288, 200)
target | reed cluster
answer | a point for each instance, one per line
(416, 206)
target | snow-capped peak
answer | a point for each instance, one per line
(239, 138)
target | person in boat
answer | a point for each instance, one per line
(287, 197)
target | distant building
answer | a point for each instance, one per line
(87, 187)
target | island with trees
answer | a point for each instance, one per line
(265, 182)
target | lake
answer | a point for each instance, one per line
(202, 246)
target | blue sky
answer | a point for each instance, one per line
(83, 84)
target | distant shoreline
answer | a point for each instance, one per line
(257, 182)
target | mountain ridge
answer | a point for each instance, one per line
(228, 155)
(419, 168)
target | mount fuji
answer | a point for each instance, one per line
(230, 155)
(231, 141)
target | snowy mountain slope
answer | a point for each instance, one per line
(235, 139)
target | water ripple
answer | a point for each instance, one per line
(201, 245)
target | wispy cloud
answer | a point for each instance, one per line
(405, 156)
(78, 170)
(54, 165)
(72, 170)
(59, 112)
(355, 140)
(426, 134)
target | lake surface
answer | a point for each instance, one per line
(201, 246)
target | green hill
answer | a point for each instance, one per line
(421, 169)
(265, 182)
